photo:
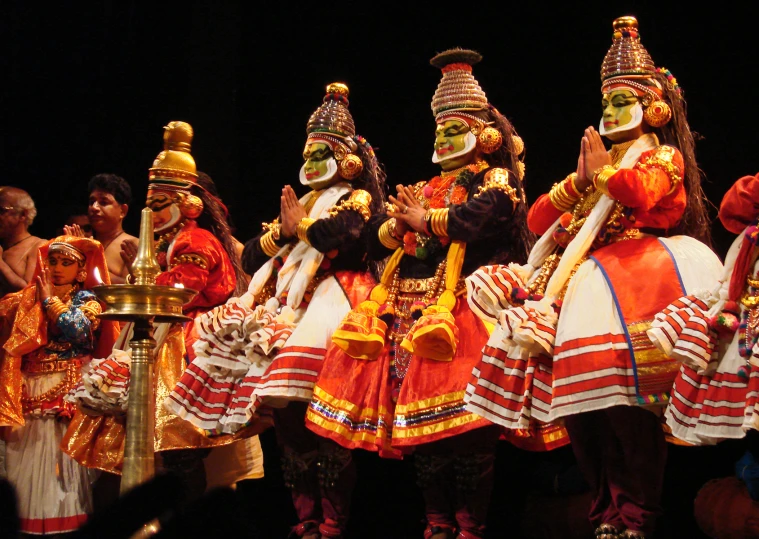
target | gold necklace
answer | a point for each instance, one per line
(618, 151)
(475, 167)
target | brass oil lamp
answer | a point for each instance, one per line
(142, 302)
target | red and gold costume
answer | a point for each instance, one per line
(189, 256)
(573, 344)
(395, 376)
(46, 344)
(714, 335)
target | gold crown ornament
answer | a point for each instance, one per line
(627, 55)
(174, 168)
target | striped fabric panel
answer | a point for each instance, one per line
(489, 290)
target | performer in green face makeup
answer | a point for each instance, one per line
(620, 242)
(395, 376)
(265, 349)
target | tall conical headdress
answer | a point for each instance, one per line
(627, 56)
(333, 125)
(174, 166)
(458, 89)
(628, 64)
(333, 115)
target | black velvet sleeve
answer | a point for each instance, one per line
(374, 249)
(483, 216)
(253, 257)
(340, 231)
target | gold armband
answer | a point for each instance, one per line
(662, 160)
(190, 258)
(560, 196)
(268, 245)
(91, 309)
(274, 227)
(601, 178)
(55, 308)
(359, 201)
(302, 229)
(438, 221)
(498, 178)
(387, 235)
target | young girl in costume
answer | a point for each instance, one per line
(52, 333)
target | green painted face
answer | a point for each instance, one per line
(617, 108)
(316, 156)
(450, 140)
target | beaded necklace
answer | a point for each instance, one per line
(451, 187)
(749, 319)
(162, 245)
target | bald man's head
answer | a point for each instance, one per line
(19, 200)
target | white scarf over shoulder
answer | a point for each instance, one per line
(302, 260)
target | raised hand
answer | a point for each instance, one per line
(44, 284)
(128, 253)
(73, 230)
(582, 182)
(291, 212)
(594, 152)
(410, 212)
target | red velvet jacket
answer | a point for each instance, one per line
(647, 189)
(197, 260)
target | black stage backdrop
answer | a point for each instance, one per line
(87, 88)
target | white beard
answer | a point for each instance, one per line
(322, 181)
(637, 118)
(176, 216)
(470, 141)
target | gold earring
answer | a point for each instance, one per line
(351, 167)
(489, 140)
(81, 275)
(657, 114)
(191, 206)
(518, 144)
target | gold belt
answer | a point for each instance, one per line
(46, 367)
(420, 286)
(415, 286)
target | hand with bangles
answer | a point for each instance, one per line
(44, 285)
(593, 156)
(291, 211)
(410, 212)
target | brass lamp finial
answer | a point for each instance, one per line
(145, 268)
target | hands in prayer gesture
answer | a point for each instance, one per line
(410, 214)
(593, 155)
(291, 212)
